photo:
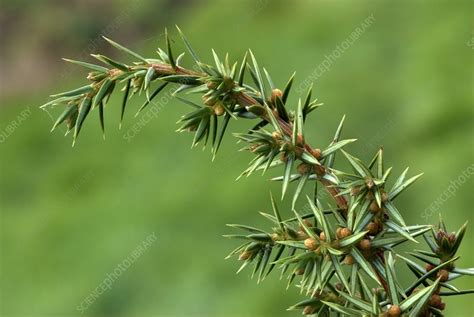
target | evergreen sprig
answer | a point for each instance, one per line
(341, 254)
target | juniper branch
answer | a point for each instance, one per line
(339, 250)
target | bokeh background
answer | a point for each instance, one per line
(69, 216)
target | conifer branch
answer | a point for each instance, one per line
(337, 249)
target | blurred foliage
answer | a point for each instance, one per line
(69, 216)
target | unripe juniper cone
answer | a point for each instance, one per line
(300, 242)
(374, 207)
(394, 311)
(345, 232)
(373, 228)
(365, 244)
(443, 275)
(322, 236)
(276, 93)
(218, 108)
(309, 310)
(348, 260)
(310, 244)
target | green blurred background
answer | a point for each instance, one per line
(69, 216)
